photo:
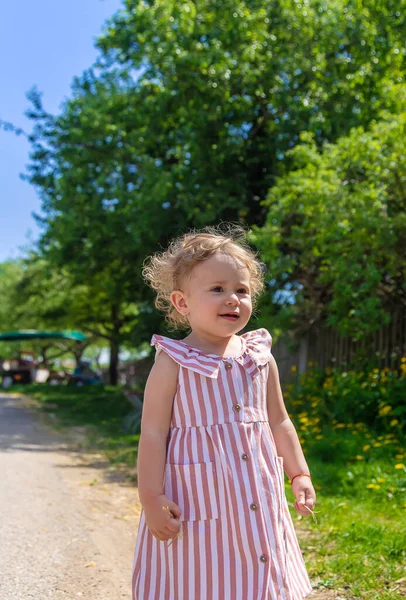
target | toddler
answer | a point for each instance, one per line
(216, 438)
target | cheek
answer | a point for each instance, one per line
(247, 304)
(212, 303)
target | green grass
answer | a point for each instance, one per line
(359, 542)
(357, 546)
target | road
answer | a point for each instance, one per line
(67, 522)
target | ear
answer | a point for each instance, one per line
(179, 301)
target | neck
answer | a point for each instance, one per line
(230, 345)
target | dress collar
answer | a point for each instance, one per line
(256, 349)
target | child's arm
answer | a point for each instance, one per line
(287, 442)
(156, 414)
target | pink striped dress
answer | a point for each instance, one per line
(223, 471)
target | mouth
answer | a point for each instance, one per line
(230, 316)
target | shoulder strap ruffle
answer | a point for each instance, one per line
(185, 356)
(258, 344)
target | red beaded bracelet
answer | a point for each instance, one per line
(300, 475)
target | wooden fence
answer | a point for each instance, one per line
(325, 347)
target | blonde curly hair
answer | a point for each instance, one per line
(165, 271)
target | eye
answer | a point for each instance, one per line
(217, 288)
(242, 291)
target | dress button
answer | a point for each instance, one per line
(253, 506)
(244, 456)
(236, 407)
(263, 558)
(228, 365)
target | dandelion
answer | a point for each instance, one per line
(385, 410)
(366, 447)
(359, 457)
(394, 422)
(380, 480)
(377, 445)
(373, 486)
(313, 513)
(400, 466)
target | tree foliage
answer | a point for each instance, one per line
(190, 117)
(227, 87)
(335, 234)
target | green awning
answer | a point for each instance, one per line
(32, 334)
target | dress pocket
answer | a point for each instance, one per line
(193, 489)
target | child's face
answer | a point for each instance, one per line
(216, 298)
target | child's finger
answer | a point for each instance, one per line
(301, 498)
(175, 510)
(310, 503)
(160, 536)
(173, 525)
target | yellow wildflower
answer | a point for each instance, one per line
(366, 447)
(385, 410)
(400, 466)
(394, 422)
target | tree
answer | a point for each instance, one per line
(230, 86)
(101, 205)
(335, 235)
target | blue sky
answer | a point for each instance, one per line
(43, 43)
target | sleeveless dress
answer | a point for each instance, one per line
(237, 538)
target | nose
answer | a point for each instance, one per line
(233, 300)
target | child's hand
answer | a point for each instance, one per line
(305, 495)
(162, 517)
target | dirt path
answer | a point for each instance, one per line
(67, 525)
(67, 521)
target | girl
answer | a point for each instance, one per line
(216, 439)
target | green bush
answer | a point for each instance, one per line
(376, 398)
